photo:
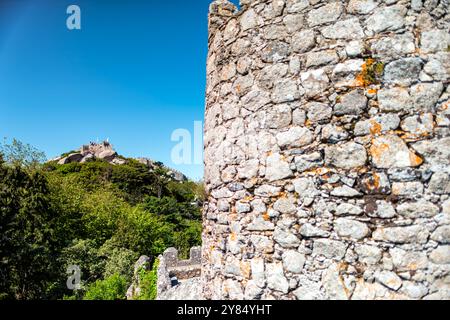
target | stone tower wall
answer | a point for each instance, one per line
(327, 150)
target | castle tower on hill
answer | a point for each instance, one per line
(327, 150)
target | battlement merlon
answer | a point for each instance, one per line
(182, 269)
(220, 11)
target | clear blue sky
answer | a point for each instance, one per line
(133, 74)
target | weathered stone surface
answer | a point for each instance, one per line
(334, 284)
(295, 137)
(414, 290)
(437, 152)
(248, 169)
(319, 58)
(346, 29)
(279, 117)
(389, 279)
(190, 289)
(440, 183)
(378, 124)
(271, 73)
(368, 254)
(303, 41)
(252, 291)
(438, 66)
(408, 189)
(419, 125)
(348, 228)
(441, 235)
(327, 150)
(285, 238)
(228, 71)
(386, 19)
(285, 90)
(298, 117)
(305, 187)
(382, 209)
(294, 22)
(249, 20)
(369, 291)
(242, 207)
(345, 74)
(408, 260)
(276, 279)
(393, 46)
(348, 209)
(275, 51)
(327, 13)
(345, 191)
(440, 255)
(375, 183)
(354, 48)
(334, 134)
(267, 191)
(294, 6)
(347, 156)
(255, 100)
(293, 261)
(285, 205)
(361, 6)
(395, 99)
(403, 71)
(277, 167)
(434, 41)
(354, 102)
(426, 95)
(411, 234)
(309, 231)
(314, 82)
(309, 290)
(260, 224)
(262, 244)
(391, 151)
(419, 209)
(233, 289)
(308, 161)
(331, 249)
(318, 112)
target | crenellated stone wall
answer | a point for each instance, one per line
(179, 279)
(327, 150)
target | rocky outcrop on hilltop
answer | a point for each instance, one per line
(104, 151)
(92, 152)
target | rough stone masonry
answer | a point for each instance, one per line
(327, 150)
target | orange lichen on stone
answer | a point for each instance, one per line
(317, 171)
(373, 184)
(266, 216)
(415, 159)
(375, 127)
(377, 151)
(233, 236)
(282, 195)
(371, 70)
(372, 91)
(245, 269)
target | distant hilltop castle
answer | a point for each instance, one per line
(105, 151)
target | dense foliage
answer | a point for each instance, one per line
(97, 216)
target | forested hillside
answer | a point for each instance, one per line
(97, 215)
